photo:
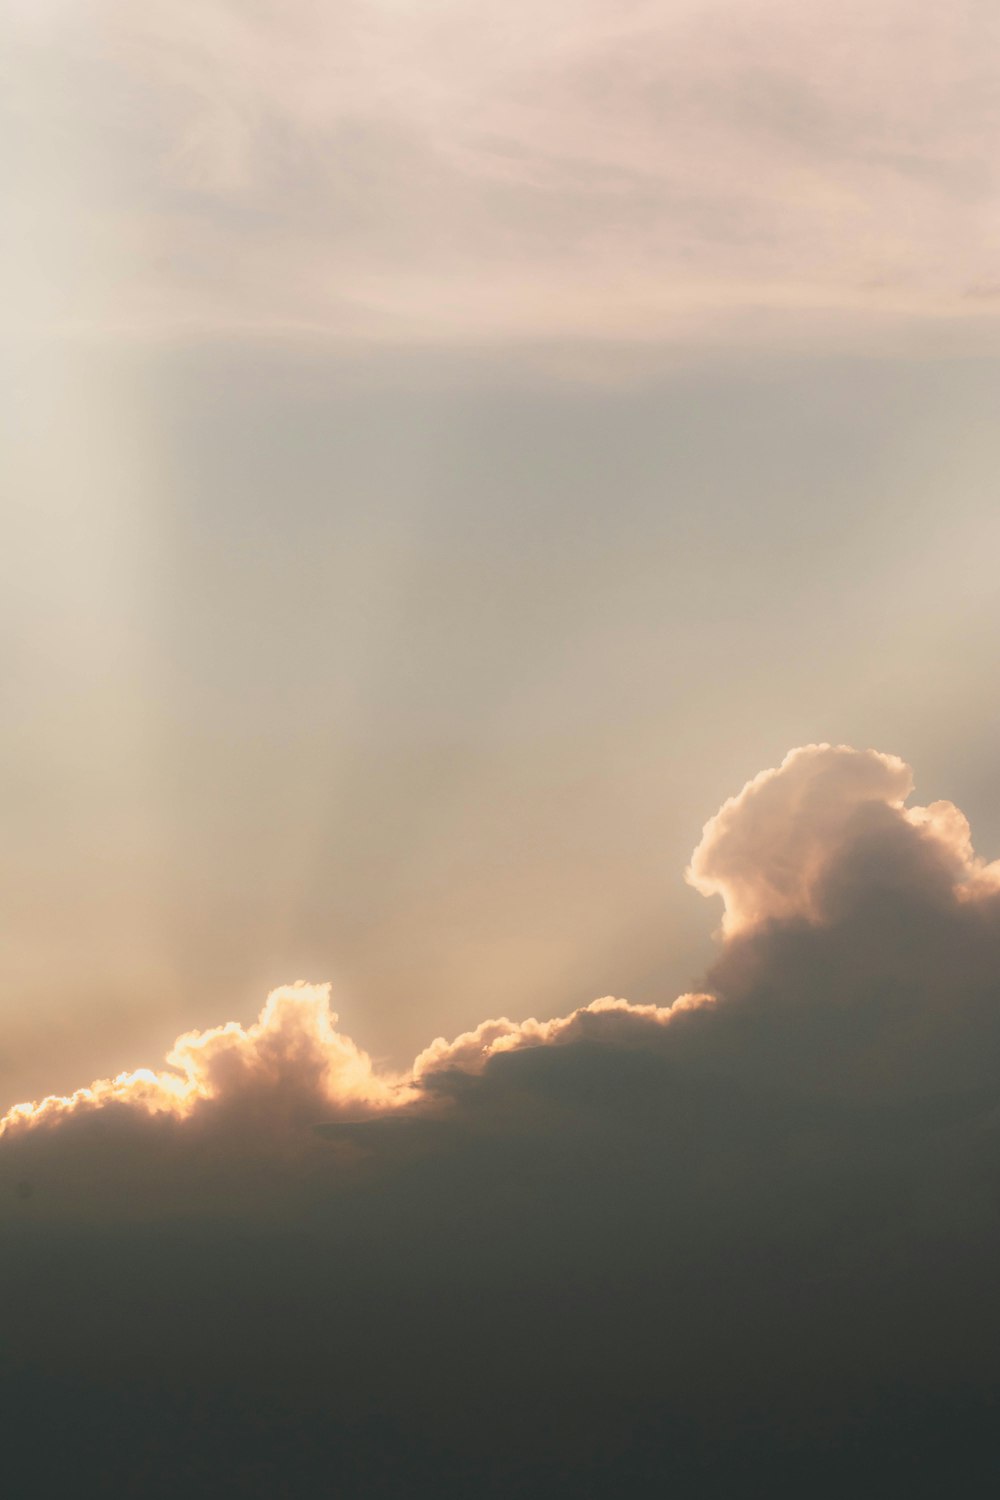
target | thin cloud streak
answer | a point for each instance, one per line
(417, 175)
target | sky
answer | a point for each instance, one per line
(449, 451)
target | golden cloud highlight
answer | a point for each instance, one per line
(294, 1043)
(827, 821)
(471, 1051)
(293, 1038)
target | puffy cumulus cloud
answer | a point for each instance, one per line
(292, 1048)
(744, 1241)
(862, 936)
(765, 852)
(601, 1020)
(292, 1053)
(235, 1105)
(772, 851)
(232, 1109)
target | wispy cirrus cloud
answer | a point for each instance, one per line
(380, 171)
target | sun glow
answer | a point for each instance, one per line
(293, 1050)
(293, 1040)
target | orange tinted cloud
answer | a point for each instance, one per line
(471, 1051)
(293, 1045)
(769, 851)
(293, 1041)
(784, 849)
(766, 849)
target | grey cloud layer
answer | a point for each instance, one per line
(748, 1239)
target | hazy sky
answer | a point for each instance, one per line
(451, 448)
(454, 453)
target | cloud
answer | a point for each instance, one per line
(772, 851)
(766, 851)
(292, 1047)
(383, 172)
(753, 1231)
(600, 1021)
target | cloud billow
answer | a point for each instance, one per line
(746, 1239)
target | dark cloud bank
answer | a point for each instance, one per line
(747, 1245)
